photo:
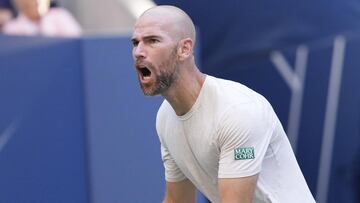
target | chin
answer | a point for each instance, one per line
(148, 91)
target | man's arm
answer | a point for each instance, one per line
(180, 192)
(237, 190)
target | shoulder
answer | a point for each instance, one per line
(9, 26)
(164, 111)
(233, 100)
(232, 91)
(233, 97)
(246, 123)
(19, 26)
(19, 19)
(246, 113)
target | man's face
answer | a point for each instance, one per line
(155, 56)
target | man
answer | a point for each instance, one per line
(216, 135)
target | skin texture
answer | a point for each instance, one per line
(163, 42)
(237, 190)
(180, 192)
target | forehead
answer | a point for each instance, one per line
(142, 29)
(152, 26)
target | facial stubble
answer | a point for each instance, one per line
(165, 78)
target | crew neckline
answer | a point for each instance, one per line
(196, 105)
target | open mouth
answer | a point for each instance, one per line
(144, 72)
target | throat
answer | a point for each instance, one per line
(184, 96)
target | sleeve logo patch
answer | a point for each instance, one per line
(243, 153)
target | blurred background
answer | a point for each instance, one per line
(75, 127)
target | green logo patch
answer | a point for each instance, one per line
(243, 153)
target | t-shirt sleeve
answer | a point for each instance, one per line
(172, 171)
(244, 135)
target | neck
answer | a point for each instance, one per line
(184, 93)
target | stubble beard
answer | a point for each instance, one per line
(166, 77)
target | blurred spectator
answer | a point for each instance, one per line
(35, 17)
(5, 15)
(6, 12)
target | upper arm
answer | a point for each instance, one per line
(244, 138)
(178, 188)
(243, 142)
(237, 190)
(180, 192)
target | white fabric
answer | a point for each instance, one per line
(56, 23)
(226, 116)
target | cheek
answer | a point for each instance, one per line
(133, 54)
(162, 57)
(165, 55)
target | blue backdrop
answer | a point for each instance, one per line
(74, 126)
(42, 128)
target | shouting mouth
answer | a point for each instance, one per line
(144, 74)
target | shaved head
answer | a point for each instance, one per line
(173, 19)
(163, 41)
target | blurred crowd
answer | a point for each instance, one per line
(37, 17)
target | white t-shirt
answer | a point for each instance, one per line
(231, 131)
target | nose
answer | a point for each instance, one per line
(139, 51)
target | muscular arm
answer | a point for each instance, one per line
(237, 190)
(180, 192)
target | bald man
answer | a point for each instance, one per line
(216, 135)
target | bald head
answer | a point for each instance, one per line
(173, 19)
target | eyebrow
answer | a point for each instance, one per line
(151, 36)
(134, 39)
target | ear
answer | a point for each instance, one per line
(185, 48)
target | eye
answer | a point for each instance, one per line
(153, 41)
(134, 43)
